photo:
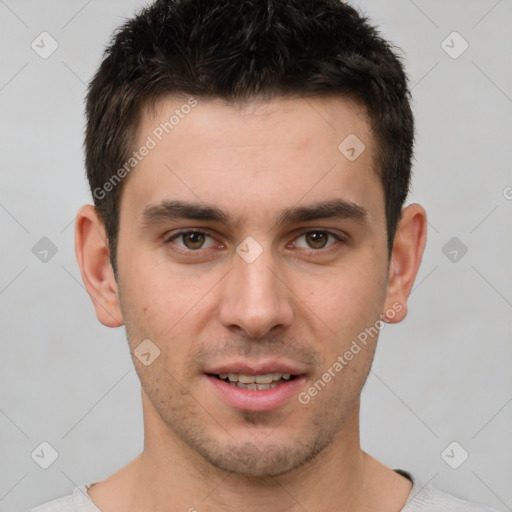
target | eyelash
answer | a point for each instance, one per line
(180, 250)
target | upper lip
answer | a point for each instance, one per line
(255, 368)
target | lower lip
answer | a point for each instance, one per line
(254, 400)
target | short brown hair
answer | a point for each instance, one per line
(237, 50)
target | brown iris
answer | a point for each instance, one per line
(193, 240)
(316, 239)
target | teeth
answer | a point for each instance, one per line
(264, 379)
(246, 379)
(254, 386)
(255, 379)
(255, 382)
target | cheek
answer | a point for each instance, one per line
(346, 300)
(161, 302)
(144, 280)
(343, 311)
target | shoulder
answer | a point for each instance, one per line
(428, 498)
(64, 504)
(79, 501)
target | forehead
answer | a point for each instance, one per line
(258, 156)
(297, 119)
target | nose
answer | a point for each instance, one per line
(255, 297)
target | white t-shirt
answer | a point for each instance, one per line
(422, 498)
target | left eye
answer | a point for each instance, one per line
(192, 240)
(315, 240)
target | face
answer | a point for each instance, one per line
(252, 249)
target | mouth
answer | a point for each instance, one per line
(255, 382)
(257, 389)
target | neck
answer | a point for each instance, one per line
(168, 471)
(169, 476)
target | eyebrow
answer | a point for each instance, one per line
(176, 209)
(333, 209)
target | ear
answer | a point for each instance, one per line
(93, 256)
(408, 246)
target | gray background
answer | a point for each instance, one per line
(443, 375)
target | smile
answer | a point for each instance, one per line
(258, 392)
(255, 382)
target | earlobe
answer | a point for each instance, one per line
(406, 256)
(93, 256)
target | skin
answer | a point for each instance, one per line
(300, 301)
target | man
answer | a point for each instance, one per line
(249, 163)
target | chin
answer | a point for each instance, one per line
(262, 459)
